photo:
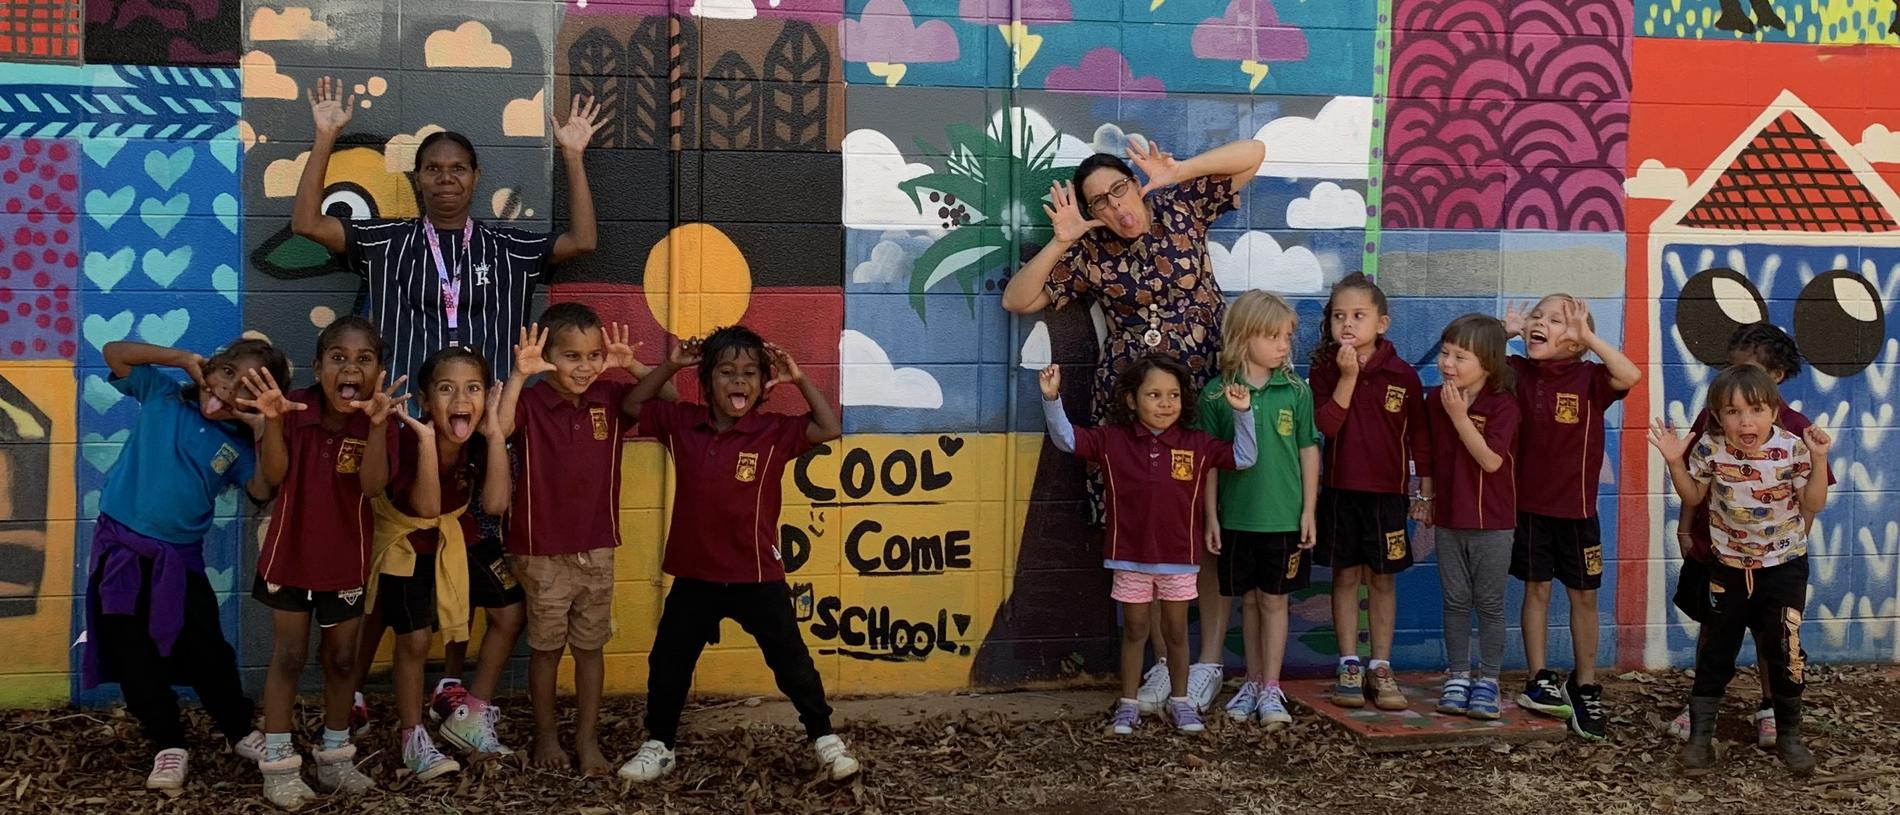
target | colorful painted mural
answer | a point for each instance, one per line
(858, 179)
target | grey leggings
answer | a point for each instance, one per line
(1473, 565)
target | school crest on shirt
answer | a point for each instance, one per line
(1284, 423)
(748, 468)
(225, 457)
(1568, 410)
(349, 455)
(1395, 546)
(1394, 398)
(1181, 465)
(1593, 561)
(599, 415)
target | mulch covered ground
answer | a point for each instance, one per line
(77, 761)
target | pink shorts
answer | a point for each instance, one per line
(1141, 587)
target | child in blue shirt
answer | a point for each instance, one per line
(151, 615)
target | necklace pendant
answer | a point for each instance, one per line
(1152, 339)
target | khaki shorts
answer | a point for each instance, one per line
(570, 599)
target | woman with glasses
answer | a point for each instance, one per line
(1139, 250)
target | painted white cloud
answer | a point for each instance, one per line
(873, 168)
(1036, 353)
(865, 377)
(1329, 206)
(1069, 152)
(1653, 179)
(1256, 261)
(725, 9)
(889, 263)
(1879, 145)
(1110, 139)
(1337, 143)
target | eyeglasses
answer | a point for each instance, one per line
(1119, 189)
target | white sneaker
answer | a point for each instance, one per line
(471, 728)
(832, 754)
(250, 748)
(652, 762)
(1273, 712)
(1246, 700)
(1156, 686)
(169, 769)
(336, 771)
(421, 756)
(1204, 680)
(283, 783)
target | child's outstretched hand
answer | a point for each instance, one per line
(268, 401)
(528, 358)
(788, 372)
(383, 402)
(1050, 381)
(1515, 313)
(685, 353)
(194, 366)
(620, 349)
(1668, 442)
(1239, 397)
(1457, 404)
(1348, 360)
(491, 415)
(1577, 318)
(425, 431)
(1818, 441)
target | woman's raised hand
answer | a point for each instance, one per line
(1065, 215)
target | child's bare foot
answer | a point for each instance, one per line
(548, 754)
(592, 762)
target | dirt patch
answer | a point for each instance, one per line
(962, 754)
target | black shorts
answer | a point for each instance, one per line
(1567, 549)
(1272, 562)
(407, 604)
(329, 607)
(1692, 591)
(1363, 529)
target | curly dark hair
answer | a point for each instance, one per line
(1088, 167)
(1129, 383)
(1770, 346)
(268, 356)
(1326, 352)
(730, 341)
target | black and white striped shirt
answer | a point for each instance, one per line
(405, 292)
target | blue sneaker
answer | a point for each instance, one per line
(1349, 689)
(1455, 700)
(1483, 702)
(1245, 702)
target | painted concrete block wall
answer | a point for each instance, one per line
(858, 178)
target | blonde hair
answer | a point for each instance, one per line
(1559, 297)
(1256, 313)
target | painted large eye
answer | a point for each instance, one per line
(349, 202)
(1839, 323)
(1711, 306)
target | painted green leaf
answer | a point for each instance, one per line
(964, 253)
(298, 252)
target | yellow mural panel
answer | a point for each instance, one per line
(37, 426)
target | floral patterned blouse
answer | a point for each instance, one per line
(1162, 280)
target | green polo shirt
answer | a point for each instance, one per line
(1268, 496)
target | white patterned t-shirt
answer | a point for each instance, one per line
(1755, 518)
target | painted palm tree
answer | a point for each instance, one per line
(988, 194)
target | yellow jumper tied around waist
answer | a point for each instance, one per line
(396, 556)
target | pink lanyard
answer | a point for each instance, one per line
(451, 282)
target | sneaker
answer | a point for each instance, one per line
(1156, 685)
(420, 755)
(359, 716)
(1680, 726)
(470, 727)
(1273, 712)
(283, 783)
(250, 748)
(1204, 680)
(1349, 689)
(1765, 730)
(1586, 708)
(1127, 717)
(1186, 718)
(834, 757)
(449, 694)
(1385, 690)
(169, 769)
(336, 771)
(1455, 699)
(1543, 695)
(1483, 702)
(1245, 702)
(653, 761)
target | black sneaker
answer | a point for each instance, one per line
(1586, 708)
(1542, 695)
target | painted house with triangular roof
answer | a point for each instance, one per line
(1792, 225)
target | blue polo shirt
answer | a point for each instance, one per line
(174, 464)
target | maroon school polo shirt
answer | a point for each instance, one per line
(1367, 443)
(1156, 485)
(567, 498)
(1700, 545)
(1467, 496)
(727, 488)
(454, 482)
(1562, 403)
(319, 538)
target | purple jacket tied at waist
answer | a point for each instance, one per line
(118, 558)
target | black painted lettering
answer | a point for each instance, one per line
(956, 549)
(892, 462)
(827, 626)
(794, 547)
(933, 480)
(801, 475)
(926, 554)
(858, 475)
(864, 565)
